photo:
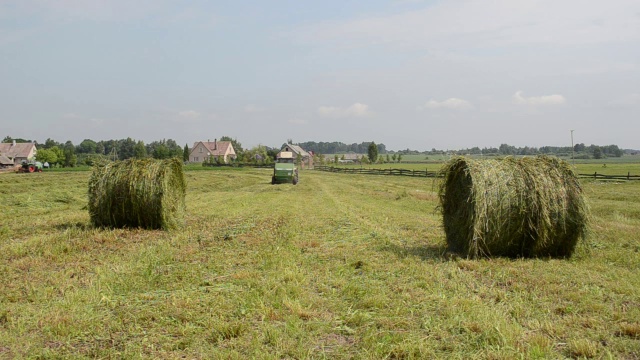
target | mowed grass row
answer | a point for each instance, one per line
(339, 266)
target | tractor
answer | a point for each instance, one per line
(30, 167)
(285, 170)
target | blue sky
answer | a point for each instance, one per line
(417, 74)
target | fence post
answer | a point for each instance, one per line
(595, 175)
(629, 175)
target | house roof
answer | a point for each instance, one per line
(5, 160)
(18, 150)
(216, 148)
(297, 150)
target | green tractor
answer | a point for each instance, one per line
(30, 167)
(284, 170)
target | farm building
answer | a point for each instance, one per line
(306, 159)
(5, 162)
(349, 158)
(203, 150)
(18, 152)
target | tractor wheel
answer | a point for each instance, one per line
(32, 168)
(295, 180)
(39, 170)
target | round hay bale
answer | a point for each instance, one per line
(144, 193)
(527, 207)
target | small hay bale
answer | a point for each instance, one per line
(143, 193)
(527, 207)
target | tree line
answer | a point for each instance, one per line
(337, 147)
(89, 151)
(579, 151)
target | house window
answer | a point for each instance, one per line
(200, 149)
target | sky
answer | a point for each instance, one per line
(406, 73)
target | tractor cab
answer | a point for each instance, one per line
(284, 170)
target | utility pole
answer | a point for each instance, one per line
(573, 157)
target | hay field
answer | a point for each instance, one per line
(339, 266)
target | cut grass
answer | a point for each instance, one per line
(339, 266)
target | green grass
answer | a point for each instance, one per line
(582, 167)
(339, 266)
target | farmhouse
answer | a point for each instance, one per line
(18, 152)
(306, 159)
(203, 150)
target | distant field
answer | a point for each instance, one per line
(619, 166)
(442, 158)
(339, 266)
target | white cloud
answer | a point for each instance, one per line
(555, 99)
(253, 108)
(451, 103)
(355, 110)
(187, 116)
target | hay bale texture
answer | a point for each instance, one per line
(143, 193)
(527, 207)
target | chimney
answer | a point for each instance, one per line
(14, 143)
(215, 144)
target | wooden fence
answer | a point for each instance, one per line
(431, 174)
(597, 176)
(365, 171)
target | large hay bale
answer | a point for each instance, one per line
(143, 193)
(526, 207)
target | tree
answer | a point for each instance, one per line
(49, 143)
(47, 155)
(388, 158)
(70, 158)
(161, 152)
(9, 139)
(399, 157)
(185, 153)
(597, 152)
(393, 157)
(139, 150)
(335, 158)
(372, 152)
(87, 146)
(126, 148)
(100, 148)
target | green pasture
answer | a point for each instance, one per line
(581, 166)
(339, 266)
